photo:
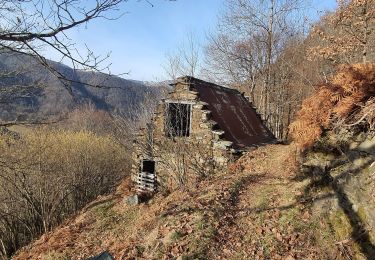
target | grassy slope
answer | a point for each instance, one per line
(255, 211)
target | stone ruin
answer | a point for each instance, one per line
(196, 130)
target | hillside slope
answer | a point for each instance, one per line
(258, 210)
(29, 91)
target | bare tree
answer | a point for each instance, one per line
(347, 35)
(28, 27)
(246, 51)
(251, 36)
(185, 60)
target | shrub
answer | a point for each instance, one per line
(347, 100)
(47, 175)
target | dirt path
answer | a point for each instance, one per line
(268, 220)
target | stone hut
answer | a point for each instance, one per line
(196, 131)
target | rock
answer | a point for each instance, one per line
(133, 200)
(223, 144)
(371, 168)
(367, 146)
(103, 256)
(353, 145)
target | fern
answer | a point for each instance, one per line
(347, 100)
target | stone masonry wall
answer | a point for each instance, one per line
(182, 160)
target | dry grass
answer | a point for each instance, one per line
(253, 212)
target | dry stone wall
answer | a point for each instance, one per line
(182, 160)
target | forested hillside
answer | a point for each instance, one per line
(29, 91)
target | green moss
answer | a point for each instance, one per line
(362, 214)
(267, 241)
(177, 235)
(364, 217)
(323, 156)
(340, 224)
(372, 236)
(340, 169)
(200, 223)
(200, 243)
(288, 216)
(160, 251)
(105, 209)
(343, 229)
(324, 234)
(110, 221)
(263, 199)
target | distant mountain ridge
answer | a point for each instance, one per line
(28, 90)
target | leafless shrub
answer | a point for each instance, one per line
(46, 175)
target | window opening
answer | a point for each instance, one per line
(178, 119)
(148, 166)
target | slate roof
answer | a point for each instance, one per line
(233, 113)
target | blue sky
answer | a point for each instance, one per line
(140, 39)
